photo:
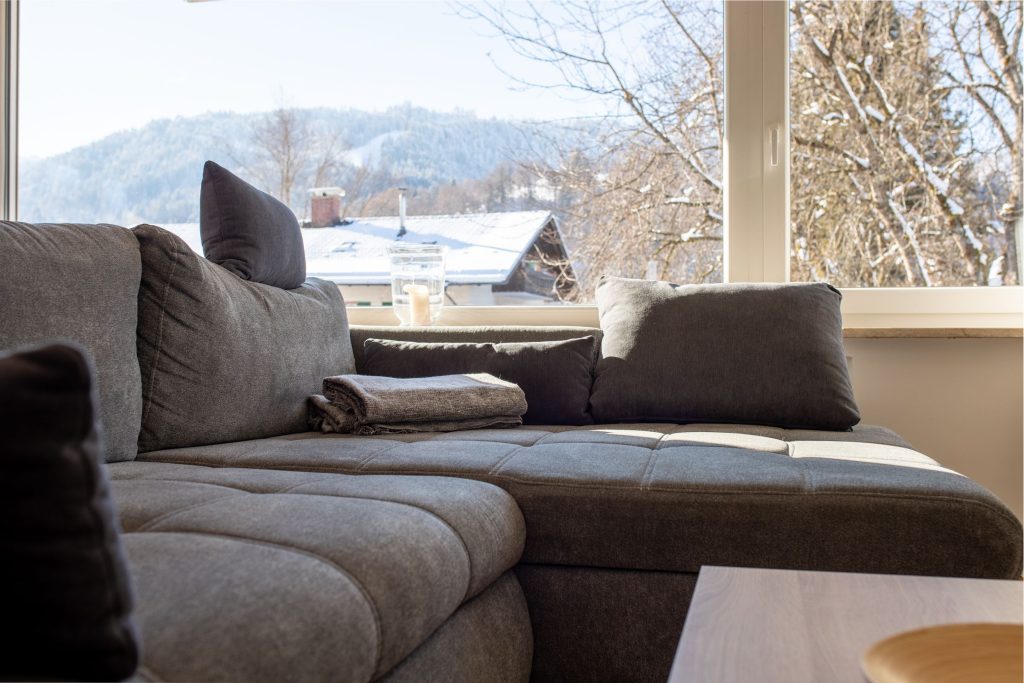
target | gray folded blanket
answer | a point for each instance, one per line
(367, 404)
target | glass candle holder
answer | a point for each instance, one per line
(417, 282)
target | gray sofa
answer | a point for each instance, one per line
(544, 552)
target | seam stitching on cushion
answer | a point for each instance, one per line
(539, 441)
(366, 460)
(289, 489)
(319, 558)
(160, 332)
(645, 482)
(496, 467)
(806, 476)
(146, 526)
(185, 481)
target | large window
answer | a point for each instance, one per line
(872, 145)
(562, 140)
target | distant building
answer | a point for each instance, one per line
(325, 206)
(515, 257)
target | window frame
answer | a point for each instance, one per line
(9, 110)
(756, 197)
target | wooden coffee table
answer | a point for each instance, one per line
(771, 625)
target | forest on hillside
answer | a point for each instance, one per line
(153, 173)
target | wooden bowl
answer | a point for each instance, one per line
(964, 653)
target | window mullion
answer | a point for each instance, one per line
(756, 145)
(775, 113)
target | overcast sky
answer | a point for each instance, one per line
(92, 67)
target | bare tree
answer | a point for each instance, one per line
(885, 164)
(646, 186)
(983, 62)
(291, 155)
(895, 179)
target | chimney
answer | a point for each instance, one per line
(325, 206)
(401, 212)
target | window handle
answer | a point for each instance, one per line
(774, 135)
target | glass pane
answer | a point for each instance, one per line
(544, 144)
(906, 143)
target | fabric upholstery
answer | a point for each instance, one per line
(489, 640)
(263, 575)
(767, 354)
(613, 625)
(248, 232)
(79, 283)
(673, 497)
(555, 375)
(466, 334)
(223, 359)
(64, 588)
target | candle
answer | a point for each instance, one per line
(419, 304)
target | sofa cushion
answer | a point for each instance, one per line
(555, 375)
(470, 334)
(79, 283)
(303, 576)
(745, 353)
(675, 497)
(249, 232)
(224, 359)
(64, 585)
(489, 640)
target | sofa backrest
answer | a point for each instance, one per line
(79, 283)
(477, 335)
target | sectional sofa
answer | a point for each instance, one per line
(545, 552)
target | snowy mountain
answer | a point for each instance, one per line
(153, 173)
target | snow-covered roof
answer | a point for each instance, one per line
(483, 248)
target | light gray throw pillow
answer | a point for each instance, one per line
(224, 359)
(767, 354)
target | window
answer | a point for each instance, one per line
(906, 143)
(543, 145)
(873, 145)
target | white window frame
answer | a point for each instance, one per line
(9, 110)
(757, 193)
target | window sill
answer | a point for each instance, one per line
(951, 313)
(933, 332)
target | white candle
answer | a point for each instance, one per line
(419, 304)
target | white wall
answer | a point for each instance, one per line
(960, 401)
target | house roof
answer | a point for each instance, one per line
(483, 248)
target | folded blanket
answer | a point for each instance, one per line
(366, 404)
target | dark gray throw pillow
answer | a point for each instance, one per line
(767, 354)
(555, 375)
(223, 359)
(65, 594)
(249, 232)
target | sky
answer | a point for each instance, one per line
(89, 68)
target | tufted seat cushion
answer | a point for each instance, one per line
(675, 497)
(247, 574)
